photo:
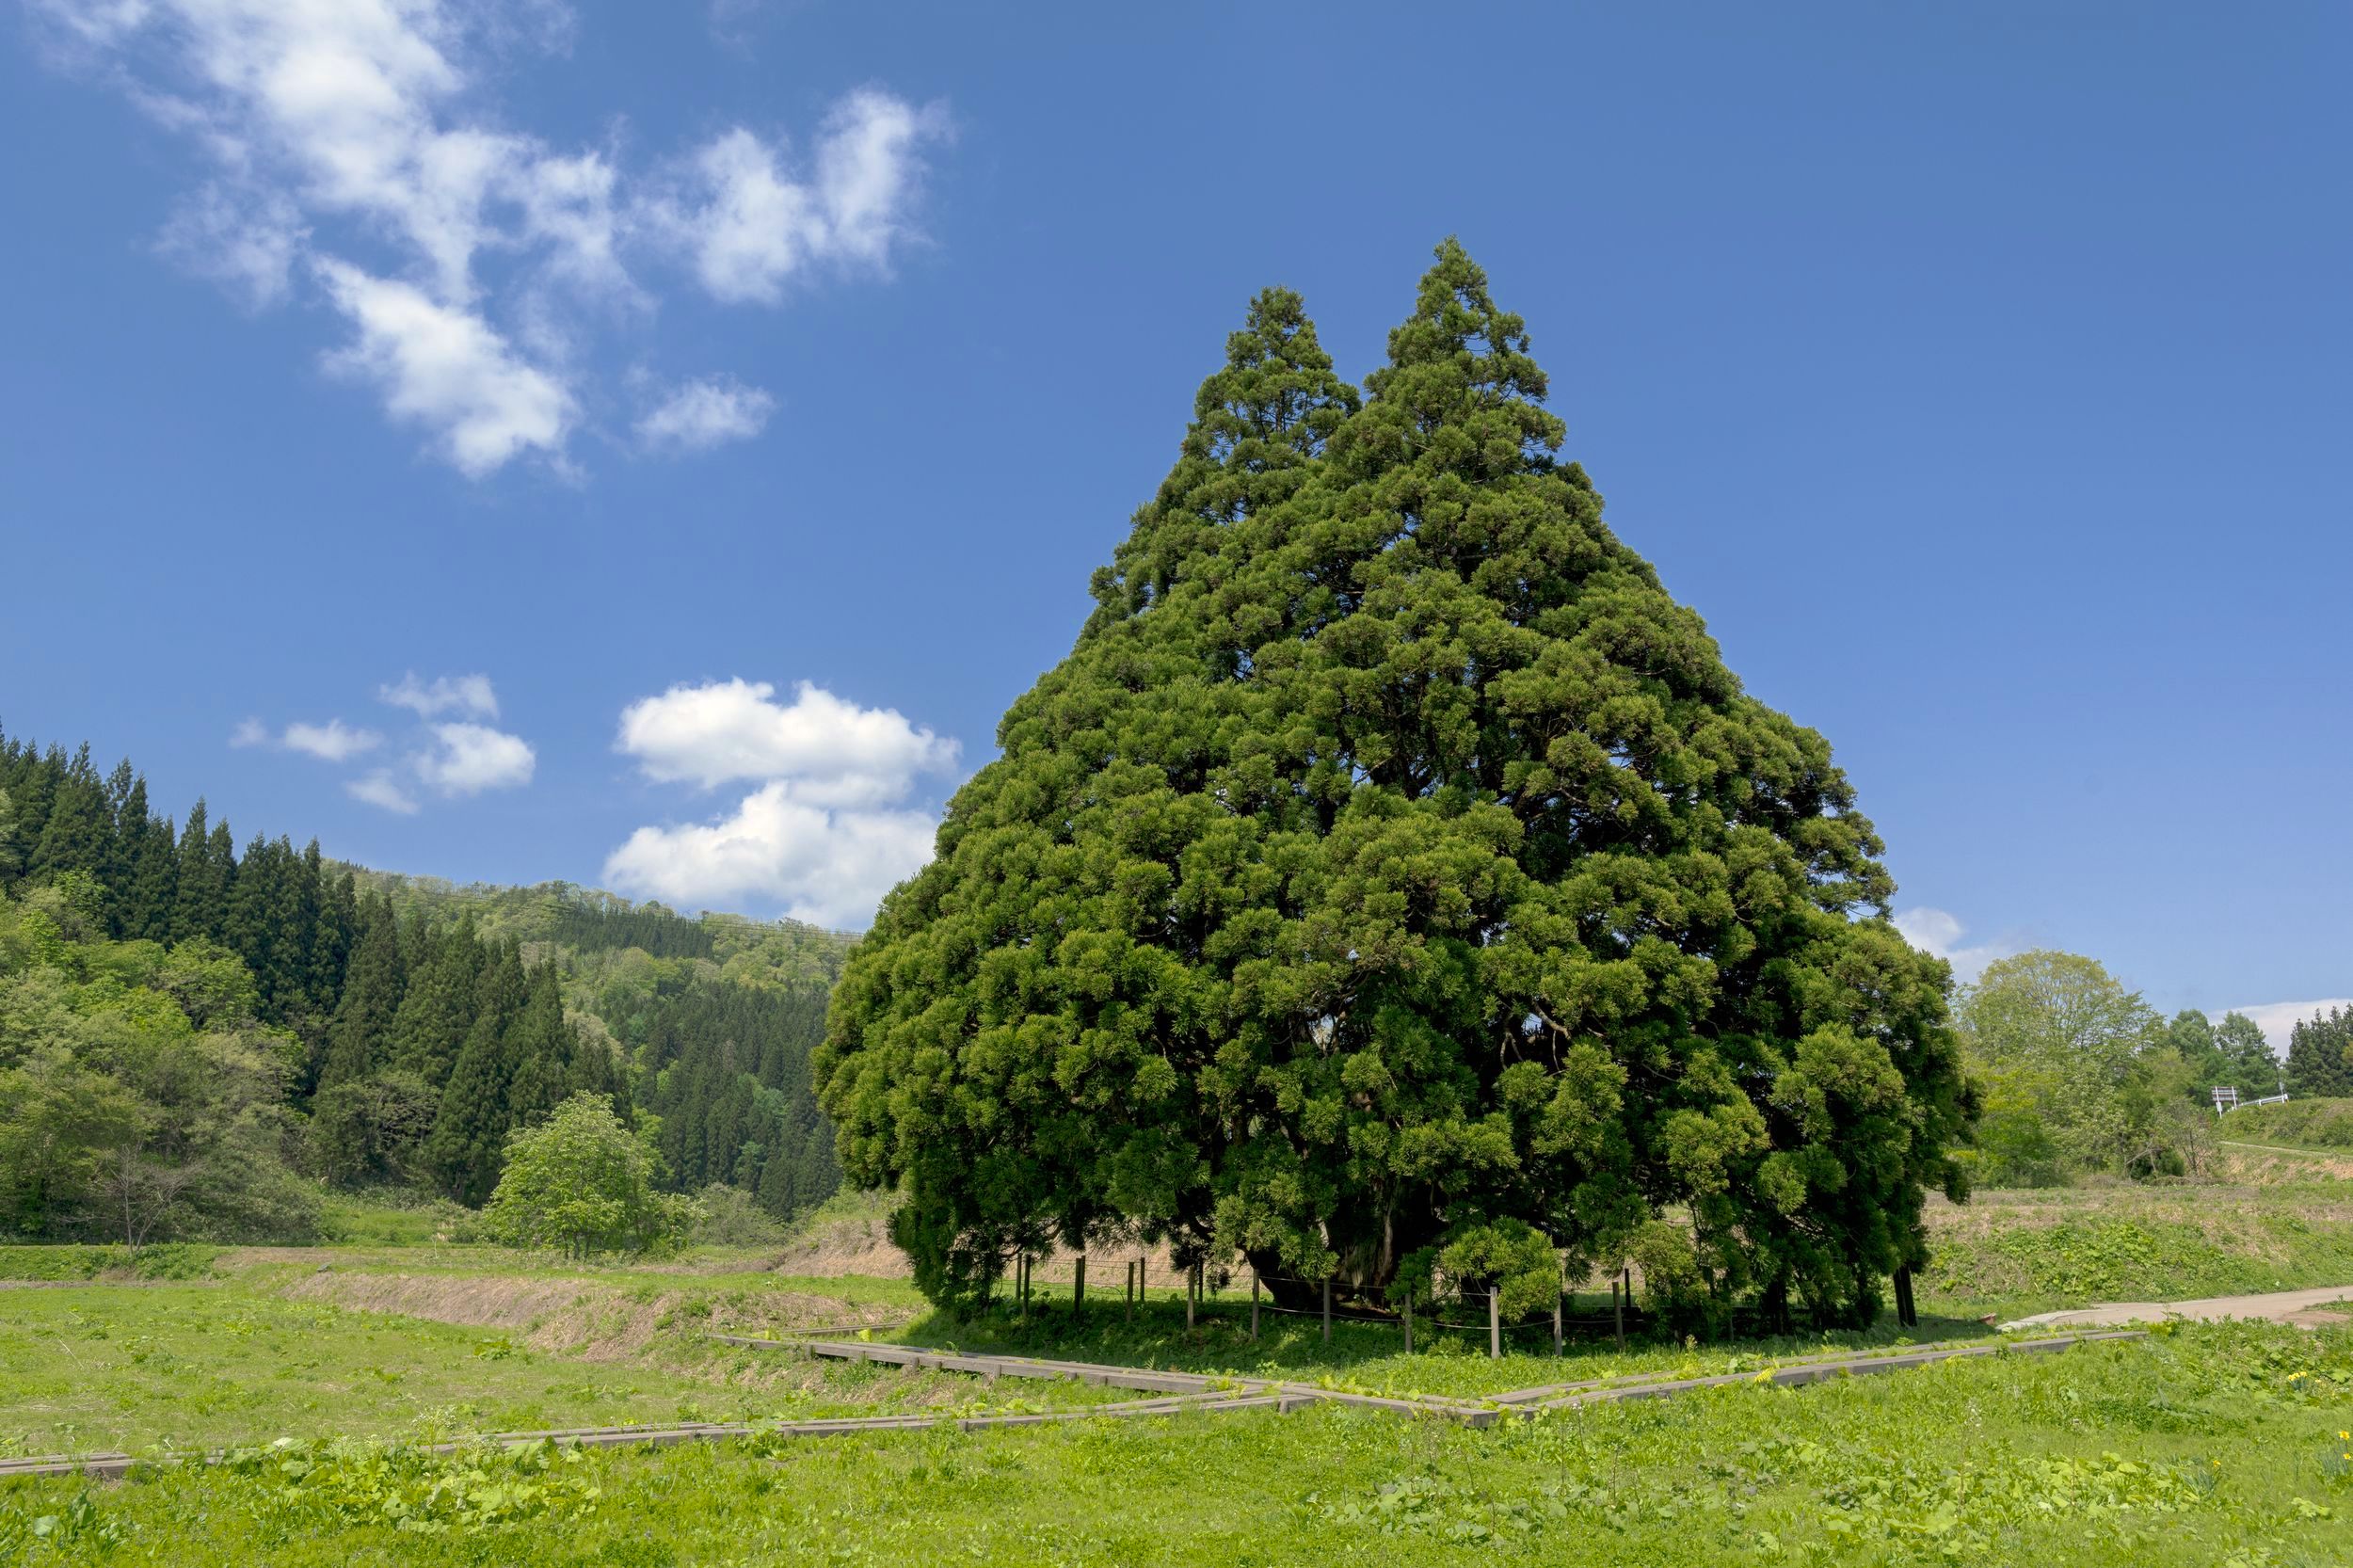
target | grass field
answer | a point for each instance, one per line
(2211, 1446)
(2204, 1445)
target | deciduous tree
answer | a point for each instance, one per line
(582, 1181)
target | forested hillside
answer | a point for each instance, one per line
(365, 1029)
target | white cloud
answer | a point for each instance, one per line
(2277, 1019)
(829, 867)
(454, 757)
(468, 759)
(834, 752)
(356, 145)
(467, 693)
(381, 789)
(331, 741)
(1939, 935)
(444, 368)
(747, 225)
(703, 414)
(340, 107)
(823, 837)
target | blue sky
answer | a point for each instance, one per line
(650, 445)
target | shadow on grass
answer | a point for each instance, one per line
(1372, 1355)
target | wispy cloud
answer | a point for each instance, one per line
(750, 224)
(460, 757)
(381, 789)
(1939, 933)
(470, 694)
(450, 753)
(443, 367)
(702, 414)
(356, 153)
(331, 741)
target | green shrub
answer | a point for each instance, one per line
(732, 1218)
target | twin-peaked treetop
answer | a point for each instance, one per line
(1394, 876)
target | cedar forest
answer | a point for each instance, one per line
(185, 1031)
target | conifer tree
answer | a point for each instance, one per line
(11, 852)
(358, 1035)
(200, 884)
(119, 842)
(540, 1050)
(330, 950)
(30, 795)
(79, 829)
(469, 1134)
(438, 1008)
(220, 859)
(265, 926)
(147, 857)
(1395, 877)
(2320, 1056)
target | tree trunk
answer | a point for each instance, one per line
(1369, 1264)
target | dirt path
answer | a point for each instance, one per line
(2304, 1308)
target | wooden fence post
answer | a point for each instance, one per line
(1079, 1287)
(1409, 1319)
(1254, 1306)
(1617, 1312)
(1494, 1323)
(1559, 1312)
(1327, 1309)
(1193, 1293)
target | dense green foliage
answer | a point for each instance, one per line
(411, 1027)
(2320, 1056)
(589, 922)
(649, 927)
(2080, 1075)
(141, 1098)
(1393, 881)
(730, 1082)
